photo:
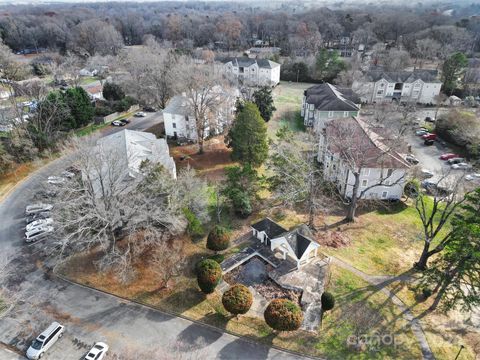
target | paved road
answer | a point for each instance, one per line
(92, 316)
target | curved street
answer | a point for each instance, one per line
(91, 316)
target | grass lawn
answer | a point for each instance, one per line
(352, 294)
(383, 241)
(20, 172)
(288, 101)
(87, 130)
(85, 80)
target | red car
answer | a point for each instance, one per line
(429, 136)
(448, 156)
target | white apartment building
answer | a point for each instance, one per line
(382, 170)
(419, 86)
(252, 72)
(179, 118)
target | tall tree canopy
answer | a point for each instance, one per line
(452, 69)
(248, 137)
(456, 272)
(264, 101)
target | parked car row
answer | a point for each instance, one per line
(51, 335)
(427, 137)
(456, 162)
(38, 222)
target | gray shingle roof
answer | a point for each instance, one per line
(298, 242)
(246, 62)
(178, 105)
(327, 97)
(271, 228)
(403, 76)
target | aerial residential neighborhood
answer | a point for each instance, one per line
(239, 180)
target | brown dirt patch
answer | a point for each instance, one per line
(333, 239)
(211, 164)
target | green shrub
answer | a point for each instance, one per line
(412, 188)
(194, 227)
(217, 257)
(218, 239)
(283, 315)
(209, 274)
(237, 300)
(328, 301)
(426, 292)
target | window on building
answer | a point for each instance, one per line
(174, 125)
(389, 172)
(382, 85)
(330, 114)
(384, 194)
(345, 114)
(415, 93)
(364, 183)
(379, 93)
(417, 85)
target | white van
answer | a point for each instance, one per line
(45, 341)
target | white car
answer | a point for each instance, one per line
(140, 114)
(38, 233)
(38, 208)
(97, 352)
(45, 341)
(471, 177)
(38, 223)
(421, 132)
(426, 173)
(461, 166)
(56, 180)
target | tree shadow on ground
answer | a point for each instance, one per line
(181, 301)
(196, 337)
(242, 349)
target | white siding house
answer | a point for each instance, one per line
(292, 244)
(180, 122)
(382, 170)
(252, 72)
(325, 101)
(419, 86)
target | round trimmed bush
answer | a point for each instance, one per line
(328, 301)
(218, 239)
(209, 274)
(283, 315)
(237, 300)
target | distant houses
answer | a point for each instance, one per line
(325, 101)
(418, 86)
(252, 72)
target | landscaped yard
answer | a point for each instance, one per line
(357, 306)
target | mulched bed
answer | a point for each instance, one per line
(267, 288)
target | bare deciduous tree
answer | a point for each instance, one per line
(205, 90)
(298, 178)
(118, 212)
(168, 261)
(349, 148)
(435, 212)
(153, 73)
